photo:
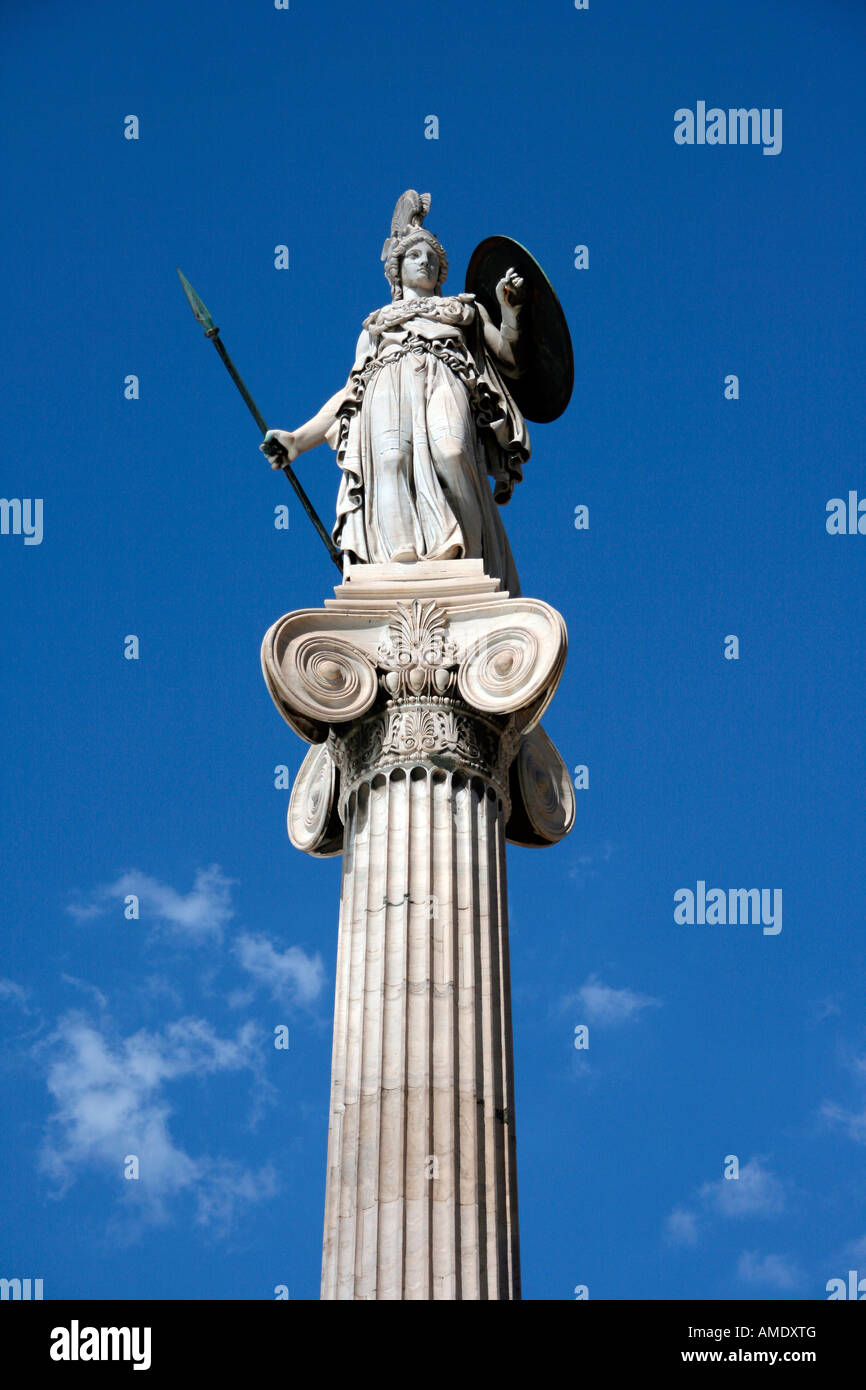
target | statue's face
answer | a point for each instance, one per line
(420, 267)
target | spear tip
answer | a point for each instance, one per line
(197, 304)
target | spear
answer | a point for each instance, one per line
(211, 331)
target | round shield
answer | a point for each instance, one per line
(543, 389)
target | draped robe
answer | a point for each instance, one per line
(424, 420)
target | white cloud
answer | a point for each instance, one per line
(228, 1188)
(851, 1122)
(681, 1227)
(778, 1271)
(756, 1192)
(291, 975)
(11, 993)
(85, 988)
(602, 1004)
(157, 988)
(857, 1248)
(198, 915)
(110, 1101)
(825, 1008)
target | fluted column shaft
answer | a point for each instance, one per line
(420, 689)
(421, 1196)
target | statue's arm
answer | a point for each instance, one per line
(313, 432)
(503, 341)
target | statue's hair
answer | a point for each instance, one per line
(397, 249)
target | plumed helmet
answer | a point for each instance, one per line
(407, 228)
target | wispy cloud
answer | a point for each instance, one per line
(822, 1009)
(603, 1004)
(588, 861)
(290, 976)
(756, 1192)
(96, 994)
(851, 1121)
(773, 1271)
(198, 915)
(110, 1100)
(12, 993)
(681, 1227)
(857, 1248)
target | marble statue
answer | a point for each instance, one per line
(426, 415)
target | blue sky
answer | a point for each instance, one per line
(259, 128)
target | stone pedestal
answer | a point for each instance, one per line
(420, 688)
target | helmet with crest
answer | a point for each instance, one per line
(407, 229)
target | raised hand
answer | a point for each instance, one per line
(511, 290)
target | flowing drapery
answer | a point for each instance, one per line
(424, 420)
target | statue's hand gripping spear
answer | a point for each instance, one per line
(273, 449)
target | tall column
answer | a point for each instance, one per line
(422, 1195)
(426, 756)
